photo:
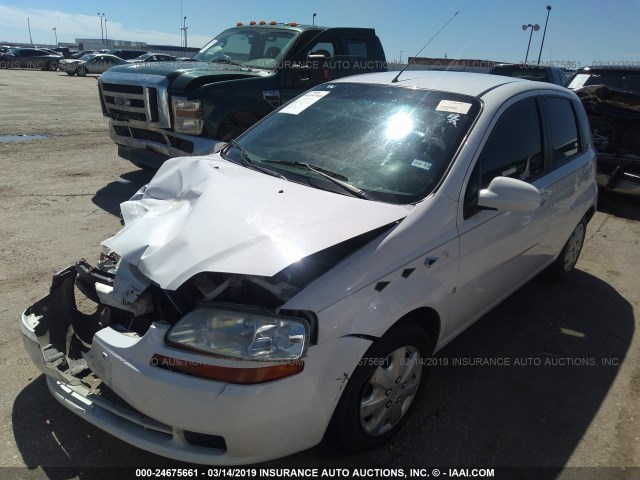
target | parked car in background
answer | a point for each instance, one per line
(81, 53)
(29, 58)
(297, 282)
(537, 73)
(64, 51)
(154, 57)
(611, 97)
(92, 63)
(127, 54)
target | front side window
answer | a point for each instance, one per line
(514, 149)
(393, 144)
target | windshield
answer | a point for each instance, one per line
(251, 47)
(391, 144)
(622, 80)
(88, 57)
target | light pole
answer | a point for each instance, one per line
(55, 31)
(184, 29)
(313, 20)
(101, 15)
(29, 25)
(106, 34)
(545, 32)
(535, 27)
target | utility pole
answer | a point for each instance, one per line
(29, 25)
(106, 34)
(55, 31)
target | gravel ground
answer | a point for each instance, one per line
(59, 198)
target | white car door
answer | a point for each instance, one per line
(500, 250)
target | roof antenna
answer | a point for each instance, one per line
(425, 46)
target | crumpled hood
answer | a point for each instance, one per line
(610, 101)
(207, 214)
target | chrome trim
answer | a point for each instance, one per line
(146, 81)
(201, 145)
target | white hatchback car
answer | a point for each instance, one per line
(291, 286)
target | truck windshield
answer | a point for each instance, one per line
(391, 144)
(252, 47)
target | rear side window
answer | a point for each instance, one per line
(565, 140)
(357, 47)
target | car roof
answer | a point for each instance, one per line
(465, 83)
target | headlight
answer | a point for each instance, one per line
(241, 332)
(188, 115)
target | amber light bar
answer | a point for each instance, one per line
(243, 376)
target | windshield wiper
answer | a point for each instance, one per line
(229, 61)
(247, 162)
(334, 177)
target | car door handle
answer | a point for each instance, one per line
(544, 196)
(430, 261)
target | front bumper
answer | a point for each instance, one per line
(68, 67)
(161, 411)
(159, 140)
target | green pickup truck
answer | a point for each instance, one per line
(164, 110)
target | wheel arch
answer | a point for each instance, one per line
(426, 318)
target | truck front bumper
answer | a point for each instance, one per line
(158, 140)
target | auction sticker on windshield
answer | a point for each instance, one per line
(453, 106)
(303, 102)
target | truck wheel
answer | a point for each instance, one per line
(383, 390)
(234, 124)
(570, 253)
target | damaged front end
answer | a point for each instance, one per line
(614, 116)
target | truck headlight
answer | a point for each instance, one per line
(241, 332)
(188, 115)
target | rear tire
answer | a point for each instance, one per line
(570, 253)
(383, 390)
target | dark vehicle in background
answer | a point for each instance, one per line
(29, 58)
(92, 63)
(127, 54)
(538, 73)
(611, 97)
(154, 57)
(171, 110)
(64, 51)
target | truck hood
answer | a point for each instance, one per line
(182, 74)
(205, 214)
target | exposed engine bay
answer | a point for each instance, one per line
(114, 294)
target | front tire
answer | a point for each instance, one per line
(81, 71)
(71, 73)
(383, 390)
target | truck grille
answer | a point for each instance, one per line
(134, 97)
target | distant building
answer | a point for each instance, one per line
(99, 44)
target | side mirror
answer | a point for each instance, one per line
(510, 194)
